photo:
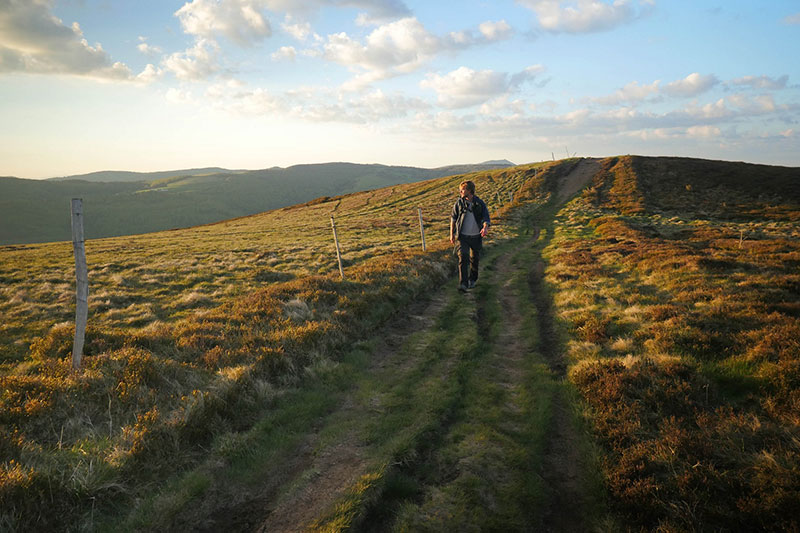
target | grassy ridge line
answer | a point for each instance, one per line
(38, 210)
(683, 342)
(138, 280)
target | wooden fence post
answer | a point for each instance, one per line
(338, 253)
(421, 228)
(82, 278)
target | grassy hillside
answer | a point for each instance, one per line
(671, 284)
(38, 210)
(192, 334)
(679, 286)
(108, 176)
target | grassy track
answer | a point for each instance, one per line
(442, 422)
(467, 437)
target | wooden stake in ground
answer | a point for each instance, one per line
(338, 253)
(82, 277)
(421, 228)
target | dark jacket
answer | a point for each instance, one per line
(479, 211)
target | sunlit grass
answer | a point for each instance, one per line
(192, 332)
(683, 309)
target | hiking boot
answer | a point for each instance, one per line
(463, 287)
(471, 284)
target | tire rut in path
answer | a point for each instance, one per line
(562, 462)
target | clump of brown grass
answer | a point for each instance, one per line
(667, 440)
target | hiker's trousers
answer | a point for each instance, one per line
(469, 252)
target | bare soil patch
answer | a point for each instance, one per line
(578, 178)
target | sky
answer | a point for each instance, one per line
(148, 85)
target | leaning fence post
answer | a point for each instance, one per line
(82, 278)
(421, 228)
(338, 253)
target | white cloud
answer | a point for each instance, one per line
(284, 53)
(256, 102)
(33, 40)
(762, 82)
(465, 87)
(401, 47)
(196, 63)
(368, 108)
(241, 21)
(395, 48)
(374, 11)
(692, 85)
(503, 104)
(585, 16)
(312, 104)
(792, 20)
(148, 49)
(488, 32)
(495, 31)
(178, 96)
(149, 74)
(701, 113)
(298, 30)
(703, 132)
(378, 11)
(631, 93)
(757, 105)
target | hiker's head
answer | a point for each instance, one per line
(466, 189)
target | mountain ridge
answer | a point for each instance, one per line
(109, 176)
(37, 210)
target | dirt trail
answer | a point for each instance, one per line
(332, 469)
(325, 468)
(514, 349)
(562, 462)
(580, 176)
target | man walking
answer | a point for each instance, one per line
(469, 223)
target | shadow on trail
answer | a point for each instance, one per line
(564, 471)
(548, 344)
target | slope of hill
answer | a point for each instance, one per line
(108, 176)
(38, 211)
(227, 365)
(176, 315)
(678, 280)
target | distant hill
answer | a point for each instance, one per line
(125, 203)
(108, 176)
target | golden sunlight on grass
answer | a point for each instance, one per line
(682, 304)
